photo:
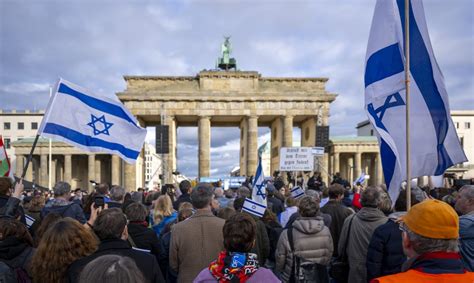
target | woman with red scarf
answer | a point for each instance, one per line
(236, 263)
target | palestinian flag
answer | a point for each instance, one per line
(4, 162)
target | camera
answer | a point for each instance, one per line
(99, 201)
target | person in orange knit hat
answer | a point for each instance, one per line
(430, 241)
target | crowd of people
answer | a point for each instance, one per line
(336, 233)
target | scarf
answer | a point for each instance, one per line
(234, 267)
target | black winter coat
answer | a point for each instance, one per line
(385, 254)
(182, 198)
(16, 253)
(145, 261)
(339, 213)
(274, 230)
(144, 238)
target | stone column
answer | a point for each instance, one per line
(277, 141)
(288, 131)
(243, 147)
(98, 173)
(252, 145)
(170, 158)
(357, 164)
(308, 132)
(325, 162)
(44, 170)
(130, 181)
(204, 132)
(378, 170)
(91, 171)
(19, 165)
(29, 171)
(53, 172)
(116, 173)
(350, 169)
(336, 162)
(67, 168)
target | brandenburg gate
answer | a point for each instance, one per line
(231, 98)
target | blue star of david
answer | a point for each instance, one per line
(259, 190)
(393, 100)
(105, 125)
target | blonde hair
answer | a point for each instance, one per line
(163, 207)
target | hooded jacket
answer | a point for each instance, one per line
(312, 241)
(362, 228)
(65, 209)
(466, 240)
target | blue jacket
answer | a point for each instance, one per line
(65, 209)
(466, 239)
(385, 254)
(160, 226)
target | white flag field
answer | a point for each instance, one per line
(433, 139)
(94, 123)
(258, 203)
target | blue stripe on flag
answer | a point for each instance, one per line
(95, 103)
(252, 212)
(89, 141)
(258, 173)
(384, 63)
(388, 161)
(422, 72)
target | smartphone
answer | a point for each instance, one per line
(99, 201)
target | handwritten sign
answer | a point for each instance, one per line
(296, 159)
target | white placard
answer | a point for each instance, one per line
(318, 151)
(296, 159)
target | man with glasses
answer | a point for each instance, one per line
(111, 229)
(430, 232)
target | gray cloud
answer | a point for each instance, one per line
(95, 43)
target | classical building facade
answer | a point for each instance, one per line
(241, 99)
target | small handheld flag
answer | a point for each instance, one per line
(4, 161)
(258, 203)
(297, 192)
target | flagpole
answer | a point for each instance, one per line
(50, 151)
(407, 98)
(30, 156)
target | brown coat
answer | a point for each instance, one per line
(195, 242)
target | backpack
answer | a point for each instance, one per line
(12, 271)
(303, 270)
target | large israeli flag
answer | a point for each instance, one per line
(91, 122)
(258, 203)
(434, 143)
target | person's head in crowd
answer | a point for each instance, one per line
(117, 194)
(163, 207)
(37, 203)
(111, 224)
(185, 205)
(401, 203)
(218, 192)
(201, 196)
(89, 200)
(46, 222)
(6, 185)
(127, 197)
(239, 203)
(325, 192)
(465, 200)
(385, 204)
(141, 190)
(151, 198)
(269, 216)
(270, 189)
(430, 226)
(225, 212)
(243, 192)
(136, 212)
(137, 197)
(308, 207)
(102, 188)
(336, 192)
(12, 230)
(239, 233)
(372, 197)
(184, 214)
(185, 187)
(291, 201)
(111, 269)
(229, 194)
(62, 190)
(449, 199)
(64, 242)
(313, 194)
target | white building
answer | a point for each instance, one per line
(152, 167)
(16, 125)
(464, 123)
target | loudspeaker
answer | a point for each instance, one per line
(162, 139)
(322, 136)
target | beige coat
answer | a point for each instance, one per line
(195, 242)
(312, 241)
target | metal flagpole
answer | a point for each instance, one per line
(50, 151)
(407, 99)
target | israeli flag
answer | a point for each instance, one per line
(297, 192)
(434, 143)
(259, 196)
(91, 122)
(361, 179)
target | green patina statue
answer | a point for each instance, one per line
(226, 62)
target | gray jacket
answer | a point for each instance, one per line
(312, 241)
(363, 226)
(466, 240)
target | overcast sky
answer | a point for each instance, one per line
(95, 43)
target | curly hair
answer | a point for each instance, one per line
(63, 243)
(14, 228)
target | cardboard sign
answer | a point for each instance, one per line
(296, 159)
